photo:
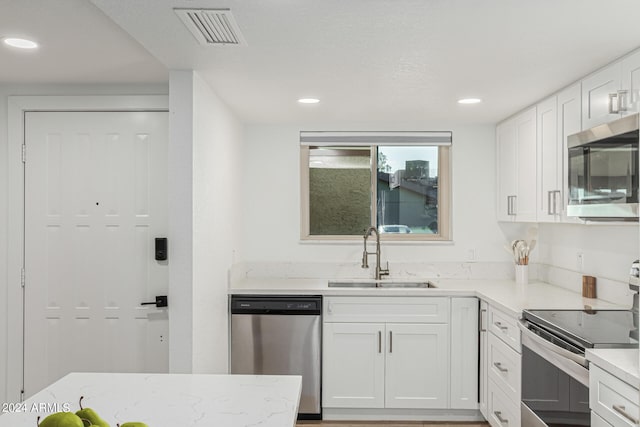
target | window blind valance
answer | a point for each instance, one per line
(324, 138)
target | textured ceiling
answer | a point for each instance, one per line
(370, 61)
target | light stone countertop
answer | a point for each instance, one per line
(505, 295)
(621, 363)
(169, 400)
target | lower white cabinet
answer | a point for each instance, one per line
(400, 363)
(464, 353)
(353, 365)
(503, 367)
(613, 402)
(417, 366)
(484, 366)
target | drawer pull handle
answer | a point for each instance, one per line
(500, 326)
(621, 410)
(498, 365)
(379, 341)
(498, 415)
(390, 341)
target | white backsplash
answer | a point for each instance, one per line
(607, 289)
(398, 270)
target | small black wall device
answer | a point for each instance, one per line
(161, 248)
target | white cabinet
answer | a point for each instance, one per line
(631, 81)
(353, 365)
(611, 92)
(550, 157)
(613, 402)
(464, 353)
(558, 117)
(417, 366)
(484, 367)
(569, 122)
(596, 89)
(503, 369)
(516, 160)
(400, 353)
(395, 362)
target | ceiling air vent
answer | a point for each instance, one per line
(212, 26)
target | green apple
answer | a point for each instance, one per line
(89, 417)
(61, 419)
(136, 424)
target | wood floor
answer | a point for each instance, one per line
(386, 424)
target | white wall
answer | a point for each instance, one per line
(271, 219)
(5, 274)
(217, 178)
(204, 176)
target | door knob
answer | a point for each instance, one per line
(161, 301)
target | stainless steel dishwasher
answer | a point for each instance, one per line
(280, 335)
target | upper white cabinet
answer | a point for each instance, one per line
(631, 81)
(611, 92)
(549, 162)
(517, 171)
(595, 95)
(569, 122)
(557, 117)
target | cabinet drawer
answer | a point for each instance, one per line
(613, 399)
(505, 327)
(504, 366)
(387, 309)
(503, 411)
(597, 421)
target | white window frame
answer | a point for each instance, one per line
(443, 140)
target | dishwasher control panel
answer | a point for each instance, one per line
(241, 304)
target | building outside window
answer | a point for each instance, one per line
(397, 181)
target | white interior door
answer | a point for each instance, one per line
(95, 200)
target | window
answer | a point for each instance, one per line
(399, 181)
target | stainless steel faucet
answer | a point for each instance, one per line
(365, 255)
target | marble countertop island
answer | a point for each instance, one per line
(167, 400)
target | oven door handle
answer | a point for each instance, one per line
(573, 364)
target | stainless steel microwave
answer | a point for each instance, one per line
(603, 171)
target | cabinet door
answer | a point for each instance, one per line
(631, 81)
(484, 409)
(353, 365)
(595, 95)
(417, 365)
(464, 353)
(506, 174)
(525, 202)
(569, 122)
(549, 161)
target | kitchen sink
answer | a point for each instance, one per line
(380, 284)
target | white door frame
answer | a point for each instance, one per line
(17, 106)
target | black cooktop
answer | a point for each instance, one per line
(589, 328)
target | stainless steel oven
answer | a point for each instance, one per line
(555, 373)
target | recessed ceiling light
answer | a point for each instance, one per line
(308, 100)
(20, 43)
(469, 101)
